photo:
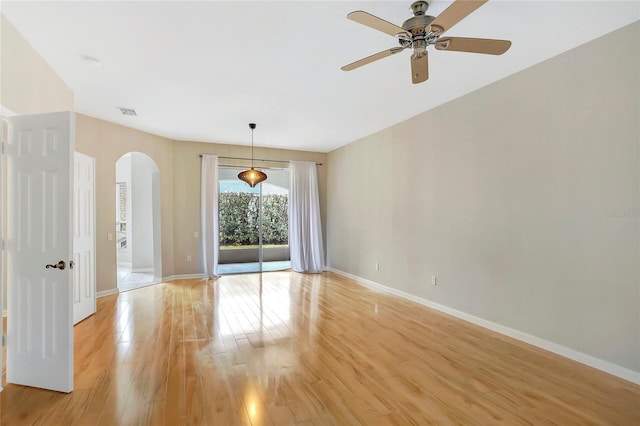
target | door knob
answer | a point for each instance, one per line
(60, 265)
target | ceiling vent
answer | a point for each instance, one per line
(91, 61)
(128, 111)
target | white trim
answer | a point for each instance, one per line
(164, 280)
(141, 270)
(182, 277)
(6, 112)
(143, 285)
(606, 366)
(107, 293)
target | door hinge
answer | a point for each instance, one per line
(5, 148)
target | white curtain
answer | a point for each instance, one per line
(209, 215)
(305, 229)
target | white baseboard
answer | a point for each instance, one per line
(107, 293)
(606, 366)
(164, 280)
(182, 277)
(142, 270)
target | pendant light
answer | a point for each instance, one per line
(252, 176)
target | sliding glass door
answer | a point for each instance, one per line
(253, 222)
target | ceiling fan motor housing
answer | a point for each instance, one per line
(420, 28)
(418, 23)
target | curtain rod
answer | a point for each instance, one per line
(255, 159)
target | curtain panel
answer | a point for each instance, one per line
(209, 215)
(305, 228)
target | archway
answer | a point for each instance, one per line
(138, 231)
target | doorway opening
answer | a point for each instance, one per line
(253, 223)
(138, 222)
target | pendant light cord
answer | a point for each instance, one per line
(252, 176)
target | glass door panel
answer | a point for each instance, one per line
(253, 222)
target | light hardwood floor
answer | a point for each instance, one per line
(283, 348)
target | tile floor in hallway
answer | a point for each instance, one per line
(128, 280)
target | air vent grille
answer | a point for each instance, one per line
(128, 111)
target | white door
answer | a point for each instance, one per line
(84, 217)
(40, 246)
(5, 135)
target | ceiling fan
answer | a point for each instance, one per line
(421, 30)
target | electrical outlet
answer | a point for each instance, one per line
(377, 266)
(109, 236)
(195, 235)
(188, 258)
(433, 280)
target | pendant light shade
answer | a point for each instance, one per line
(252, 176)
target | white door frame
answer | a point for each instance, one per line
(4, 114)
(84, 237)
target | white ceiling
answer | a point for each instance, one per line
(200, 71)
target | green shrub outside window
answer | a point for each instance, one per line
(238, 215)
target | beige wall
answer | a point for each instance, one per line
(187, 191)
(28, 85)
(179, 167)
(511, 196)
(107, 142)
(178, 162)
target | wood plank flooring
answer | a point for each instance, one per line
(282, 348)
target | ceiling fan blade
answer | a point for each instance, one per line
(455, 13)
(474, 45)
(372, 58)
(379, 24)
(419, 67)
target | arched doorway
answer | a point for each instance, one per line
(138, 231)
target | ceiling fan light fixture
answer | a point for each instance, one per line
(252, 176)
